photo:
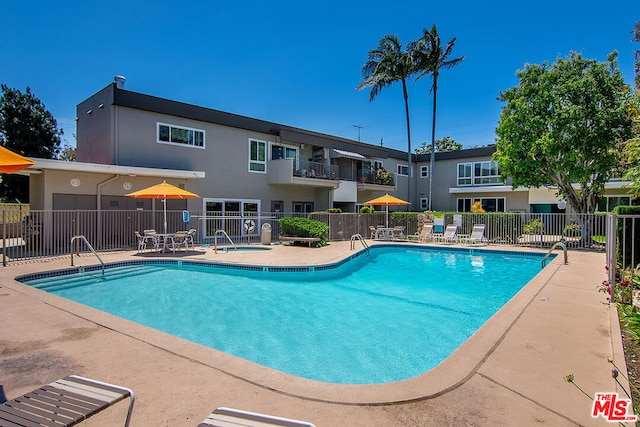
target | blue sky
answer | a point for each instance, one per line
(298, 63)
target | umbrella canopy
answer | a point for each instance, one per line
(163, 191)
(11, 162)
(387, 201)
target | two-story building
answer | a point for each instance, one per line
(128, 140)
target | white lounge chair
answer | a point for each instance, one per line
(64, 402)
(426, 234)
(449, 235)
(227, 417)
(476, 237)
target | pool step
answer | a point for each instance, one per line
(53, 284)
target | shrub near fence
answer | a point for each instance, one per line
(304, 227)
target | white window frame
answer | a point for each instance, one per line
(424, 171)
(465, 178)
(424, 203)
(257, 161)
(494, 179)
(285, 148)
(235, 215)
(399, 166)
(181, 144)
(480, 199)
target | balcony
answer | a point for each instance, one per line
(316, 174)
(283, 171)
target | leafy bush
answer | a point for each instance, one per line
(573, 229)
(367, 209)
(304, 227)
(534, 226)
(334, 210)
(630, 320)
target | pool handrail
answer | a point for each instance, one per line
(84, 239)
(555, 245)
(215, 240)
(359, 237)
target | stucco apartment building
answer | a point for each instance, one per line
(127, 141)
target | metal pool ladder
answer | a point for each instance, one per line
(84, 239)
(359, 237)
(555, 245)
(215, 240)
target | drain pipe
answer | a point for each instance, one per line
(99, 207)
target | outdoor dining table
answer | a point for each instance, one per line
(385, 233)
(164, 239)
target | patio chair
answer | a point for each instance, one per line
(374, 232)
(476, 237)
(449, 235)
(398, 232)
(64, 402)
(223, 417)
(425, 235)
(144, 240)
(190, 237)
(181, 238)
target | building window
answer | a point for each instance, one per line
(486, 173)
(238, 217)
(478, 173)
(607, 203)
(257, 156)
(172, 134)
(489, 204)
(424, 203)
(464, 174)
(424, 171)
(302, 207)
(403, 170)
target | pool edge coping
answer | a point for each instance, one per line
(454, 371)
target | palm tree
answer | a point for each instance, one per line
(385, 65)
(429, 57)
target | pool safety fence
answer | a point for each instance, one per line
(32, 234)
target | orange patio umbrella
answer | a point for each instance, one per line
(11, 162)
(163, 191)
(387, 201)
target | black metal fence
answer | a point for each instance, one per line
(33, 234)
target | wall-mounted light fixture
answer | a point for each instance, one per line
(101, 106)
(89, 111)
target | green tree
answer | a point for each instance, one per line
(636, 54)
(430, 57)
(67, 153)
(27, 128)
(385, 65)
(563, 127)
(445, 144)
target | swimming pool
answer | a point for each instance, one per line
(390, 316)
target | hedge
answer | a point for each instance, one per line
(304, 227)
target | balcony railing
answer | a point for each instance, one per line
(285, 171)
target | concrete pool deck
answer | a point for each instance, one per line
(510, 372)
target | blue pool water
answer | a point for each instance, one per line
(392, 315)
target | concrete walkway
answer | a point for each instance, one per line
(511, 372)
